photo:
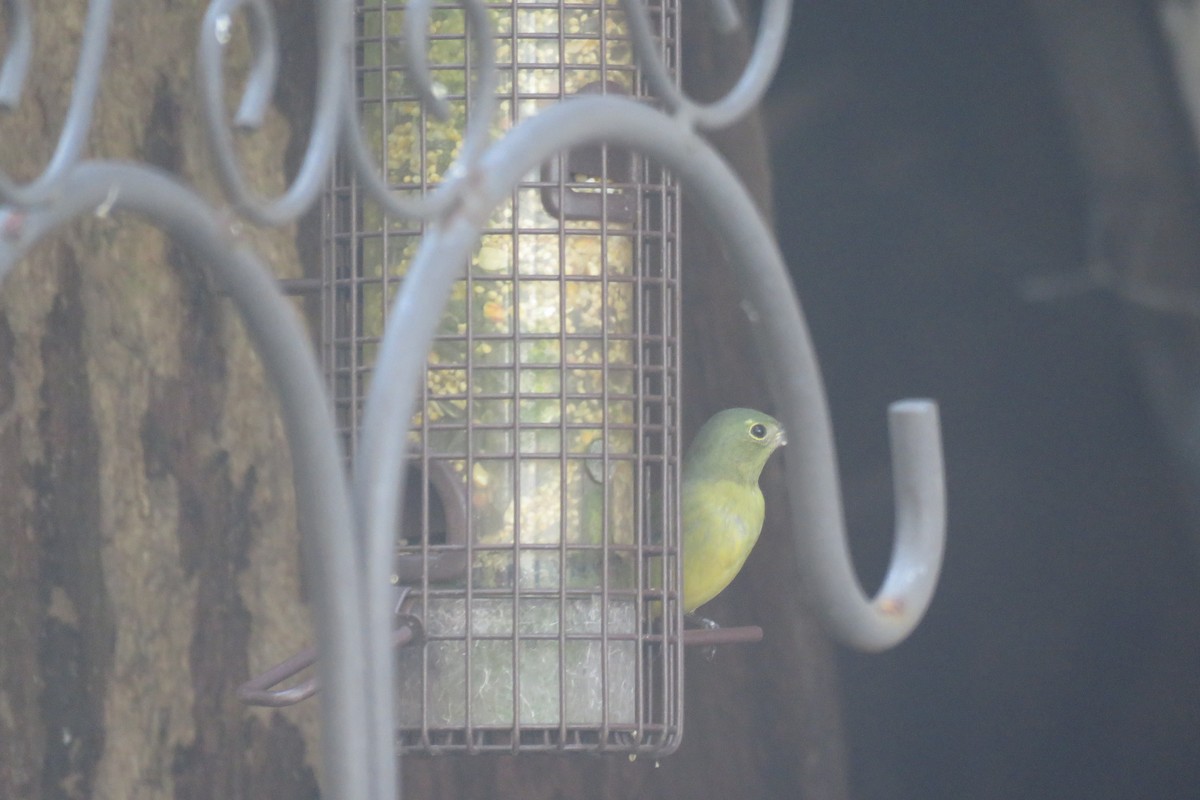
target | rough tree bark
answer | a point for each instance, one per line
(147, 523)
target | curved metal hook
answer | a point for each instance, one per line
(282, 343)
(874, 624)
(73, 137)
(18, 53)
(751, 86)
(482, 99)
(333, 49)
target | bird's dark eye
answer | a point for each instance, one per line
(758, 431)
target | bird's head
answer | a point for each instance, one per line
(734, 445)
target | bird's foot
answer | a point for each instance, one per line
(698, 621)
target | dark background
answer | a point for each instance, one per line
(937, 198)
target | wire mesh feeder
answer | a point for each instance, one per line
(540, 518)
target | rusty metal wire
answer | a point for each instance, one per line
(349, 523)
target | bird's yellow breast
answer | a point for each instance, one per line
(721, 523)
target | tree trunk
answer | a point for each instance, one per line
(147, 522)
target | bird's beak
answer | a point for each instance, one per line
(781, 438)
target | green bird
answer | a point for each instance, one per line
(722, 506)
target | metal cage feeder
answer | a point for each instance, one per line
(541, 522)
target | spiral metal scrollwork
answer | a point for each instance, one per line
(350, 521)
